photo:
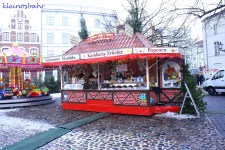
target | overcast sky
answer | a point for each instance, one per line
(108, 4)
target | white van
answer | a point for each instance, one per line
(216, 84)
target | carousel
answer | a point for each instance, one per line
(120, 74)
(14, 64)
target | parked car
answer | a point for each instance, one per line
(216, 84)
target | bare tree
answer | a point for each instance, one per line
(157, 24)
(200, 9)
(110, 22)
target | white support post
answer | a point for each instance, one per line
(98, 78)
(29, 75)
(1, 74)
(24, 76)
(157, 73)
(147, 73)
(61, 77)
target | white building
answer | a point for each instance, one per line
(59, 22)
(213, 38)
(195, 57)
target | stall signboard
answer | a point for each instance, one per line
(61, 58)
(155, 50)
(121, 68)
(100, 37)
(171, 75)
(107, 53)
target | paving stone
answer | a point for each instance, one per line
(119, 131)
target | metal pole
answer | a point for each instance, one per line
(98, 78)
(197, 58)
(147, 73)
(206, 48)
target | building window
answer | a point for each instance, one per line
(215, 28)
(19, 36)
(65, 38)
(50, 20)
(48, 74)
(20, 25)
(216, 47)
(50, 53)
(4, 50)
(96, 23)
(33, 51)
(33, 37)
(195, 66)
(65, 21)
(6, 36)
(50, 38)
(194, 58)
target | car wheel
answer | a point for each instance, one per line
(1, 96)
(211, 91)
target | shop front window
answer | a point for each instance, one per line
(119, 74)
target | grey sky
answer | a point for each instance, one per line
(109, 4)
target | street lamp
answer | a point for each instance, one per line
(221, 46)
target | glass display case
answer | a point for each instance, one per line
(73, 87)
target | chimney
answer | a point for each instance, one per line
(120, 29)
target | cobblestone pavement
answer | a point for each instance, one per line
(141, 133)
(119, 131)
(51, 113)
(27, 121)
(216, 111)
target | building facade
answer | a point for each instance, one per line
(61, 22)
(18, 29)
(195, 57)
(213, 39)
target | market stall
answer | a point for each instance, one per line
(119, 74)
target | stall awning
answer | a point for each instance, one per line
(112, 58)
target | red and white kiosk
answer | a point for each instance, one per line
(120, 74)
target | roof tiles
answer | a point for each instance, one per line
(120, 41)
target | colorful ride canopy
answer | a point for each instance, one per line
(16, 57)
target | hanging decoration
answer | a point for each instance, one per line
(141, 65)
(18, 77)
(1, 84)
(12, 74)
(32, 60)
(95, 69)
(14, 59)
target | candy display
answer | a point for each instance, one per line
(170, 73)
